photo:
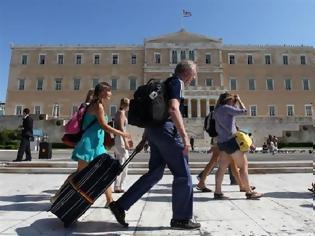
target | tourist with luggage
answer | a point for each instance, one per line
(228, 106)
(91, 144)
(169, 144)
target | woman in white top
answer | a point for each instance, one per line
(122, 144)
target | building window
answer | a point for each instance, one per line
(39, 84)
(76, 84)
(114, 84)
(60, 59)
(308, 110)
(133, 59)
(290, 110)
(21, 84)
(269, 83)
(58, 84)
(37, 110)
(306, 84)
(192, 55)
(115, 59)
(78, 59)
(267, 59)
(208, 58)
(56, 110)
(132, 84)
(192, 82)
(96, 59)
(75, 108)
(157, 58)
(42, 59)
(233, 84)
(209, 82)
(113, 110)
(174, 57)
(231, 59)
(253, 110)
(183, 55)
(288, 84)
(24, 59)
(252, 84)
(94, 82)
(250, 59)
(2, 109)
(285, 59)
(18, 110)
(303, 60)
(272, 110)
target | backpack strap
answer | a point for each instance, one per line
(89, 125)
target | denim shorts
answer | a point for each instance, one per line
(229, 146)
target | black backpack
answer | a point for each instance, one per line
(209, 125)
(149, 106)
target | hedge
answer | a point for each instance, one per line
(296, 145)
(10, 139)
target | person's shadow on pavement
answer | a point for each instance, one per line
(52, 226)
(25, 202)
(297, 195)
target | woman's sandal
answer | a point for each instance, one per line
(219, 196)
(253, 195)
(251, 187)
(204, 189)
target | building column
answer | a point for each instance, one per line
(198, 108)
(189, 107)
(221, 79)
(207, 106)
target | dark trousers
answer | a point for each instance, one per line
(24, 147)
(166, 148)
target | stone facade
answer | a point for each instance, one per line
(275, 82)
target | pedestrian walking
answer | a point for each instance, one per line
(169, 144)
(228, 106)
(91, 145)
(192, 143)
(122, 144)
(26, 137)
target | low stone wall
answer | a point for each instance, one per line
(289, 129)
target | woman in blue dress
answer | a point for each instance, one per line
(91, 144)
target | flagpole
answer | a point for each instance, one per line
(181, 21)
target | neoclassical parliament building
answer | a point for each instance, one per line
(276, 82)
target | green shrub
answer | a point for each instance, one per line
(10, 139)
(296, 145)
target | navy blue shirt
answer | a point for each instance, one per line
(175, 89)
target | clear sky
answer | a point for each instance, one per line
(130, 21)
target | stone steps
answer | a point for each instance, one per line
(62, 167)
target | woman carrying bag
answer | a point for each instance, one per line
(224, 114)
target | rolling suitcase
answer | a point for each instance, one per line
(45, 150)
(80, 192)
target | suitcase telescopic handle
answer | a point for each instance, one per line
(138, 149)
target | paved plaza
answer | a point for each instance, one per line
(286, 209)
